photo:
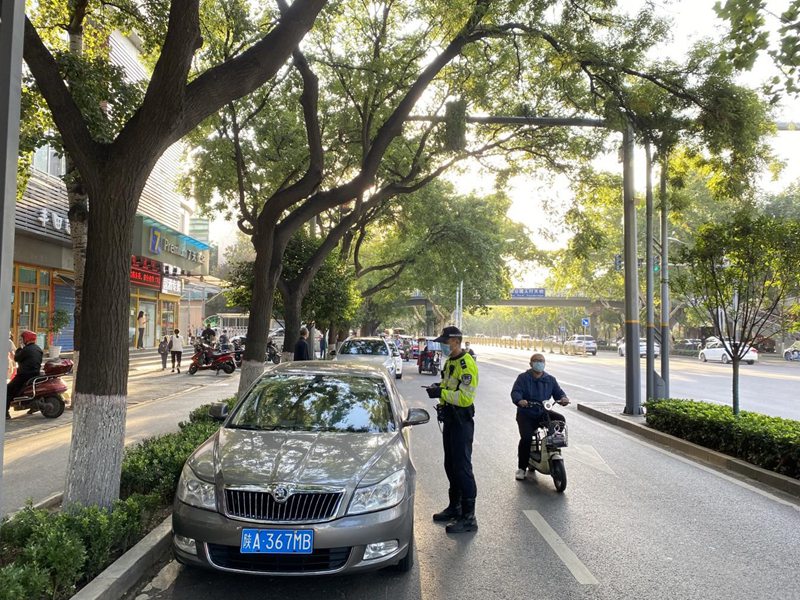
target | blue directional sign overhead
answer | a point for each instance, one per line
(585, 321)
(527, 293)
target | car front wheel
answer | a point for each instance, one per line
(725, 359)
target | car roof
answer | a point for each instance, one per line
(367, 339)
(328, 367)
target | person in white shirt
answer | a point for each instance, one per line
(176, 347)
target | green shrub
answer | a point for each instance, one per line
(155, 465)
(769, 442)
(22, 582)
(200, 414)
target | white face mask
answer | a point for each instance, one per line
(445, 350)
(537, 365)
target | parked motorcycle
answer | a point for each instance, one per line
(43, 392)
(238, 352)
(546, 449)
(205, 357)
(273, 354)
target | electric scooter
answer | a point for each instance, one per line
(546, 449)
(43, 392)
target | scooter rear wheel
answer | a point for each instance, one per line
(228, 367)
(559, 474)
(52, 407)
(192, 369)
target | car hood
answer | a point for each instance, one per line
(262, 458)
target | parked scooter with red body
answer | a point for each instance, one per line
(205, 357)
(43, 392)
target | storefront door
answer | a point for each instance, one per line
(26, 309)
(149, 309)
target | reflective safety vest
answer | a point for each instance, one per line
(459, 380)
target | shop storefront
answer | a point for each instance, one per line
(162, 258)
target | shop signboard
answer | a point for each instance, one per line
(156, 241)
(170, 285)
(145, 278)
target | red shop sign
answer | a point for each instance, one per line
(146, 278)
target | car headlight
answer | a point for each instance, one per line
(384, 494)
(196, 492)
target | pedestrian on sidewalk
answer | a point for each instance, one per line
(163, 350)
(176, 346)
(141, 321)
(301, 350)
(323, 345)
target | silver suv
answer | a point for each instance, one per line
(581, 344)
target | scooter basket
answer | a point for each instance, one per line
(557, 435)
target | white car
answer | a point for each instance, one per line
(716, 351)
(366, 350)
(398, 360)
(581, 344)
(642, 348)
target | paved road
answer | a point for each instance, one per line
(635, 522)
(36, 449)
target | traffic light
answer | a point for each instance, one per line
(618, 262)
(656, 267)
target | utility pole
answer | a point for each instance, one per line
(633, 376)
(666, 337)
(650, 369)
(11, 28)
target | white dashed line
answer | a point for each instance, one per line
(573, 563)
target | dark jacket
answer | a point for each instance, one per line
(29, 360)
(535, 391)
(301, 350)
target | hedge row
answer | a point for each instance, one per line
(769, 442)
(45, 554)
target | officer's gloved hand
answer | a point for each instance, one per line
(434, 391)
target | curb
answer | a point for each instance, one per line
(718, 459)
(124, 573)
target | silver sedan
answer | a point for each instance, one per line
(310, 474)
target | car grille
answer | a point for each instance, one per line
(300, 506)
(321, 560)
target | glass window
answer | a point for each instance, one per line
(44, 277)
(40, 159)
(55, 167)
(316, 402)
(43, 320)
(368, 347)
(26, 275)
(44, 298)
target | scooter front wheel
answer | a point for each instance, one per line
(559, 474)
(228, 367)
(192, 369)
(52, 407)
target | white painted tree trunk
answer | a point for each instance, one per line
(94, 469)
(251, 370)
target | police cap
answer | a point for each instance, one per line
(449, 332)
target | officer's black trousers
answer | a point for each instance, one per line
(457, 432)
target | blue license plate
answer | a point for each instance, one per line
(277, 541)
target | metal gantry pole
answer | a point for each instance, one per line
(633, 378)
(650, 359)
(666, 336)
(11, 30)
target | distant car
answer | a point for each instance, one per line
(310, 474)
(688, 344)
(505, 337)
(642, 348)
(523, 337)
(581, 344)
(367, 350)
(397, 355)
(715, 351)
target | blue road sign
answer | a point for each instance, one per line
(527, 292)
(585, 321)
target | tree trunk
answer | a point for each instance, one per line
(78, 216)
(98, 429)
(293, 303)
(735, 390)
(260, 311)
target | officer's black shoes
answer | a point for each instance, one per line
(467, 522)
(453, 510)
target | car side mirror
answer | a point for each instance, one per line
(416, 416)
(218, 411)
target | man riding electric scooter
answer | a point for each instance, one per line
(29, 363)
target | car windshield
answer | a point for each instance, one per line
(316, 402)
(369, 347)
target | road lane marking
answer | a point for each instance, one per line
(586, 454)
(693, 462)
(579, 571)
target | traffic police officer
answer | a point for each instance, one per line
(456, 394)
